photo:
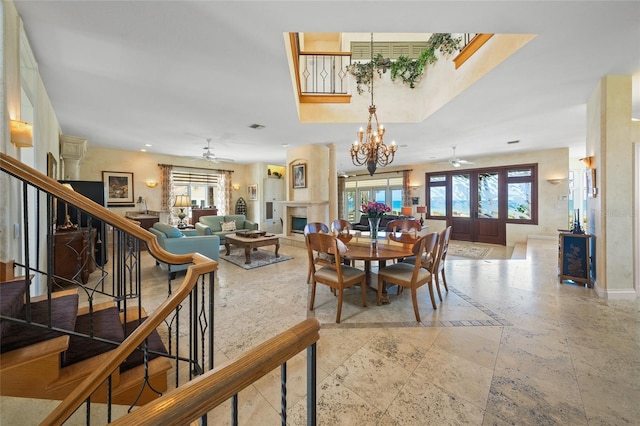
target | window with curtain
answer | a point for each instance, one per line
(202, 187)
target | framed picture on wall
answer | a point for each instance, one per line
(119, 187)
(252, 192)
(299, 175)
(52, 166)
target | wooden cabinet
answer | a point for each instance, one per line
(73, 255)
(196, 213)
(574, 258)
(145, 220)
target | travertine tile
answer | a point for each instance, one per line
(508, 345)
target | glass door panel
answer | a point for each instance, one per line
(396, 201)
(351, 206)
(488, 196)
(438, 201)
(461, 196)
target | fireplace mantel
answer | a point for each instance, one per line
(314, 211)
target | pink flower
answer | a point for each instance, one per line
(375, 209)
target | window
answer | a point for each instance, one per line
(510, 189)
(201, 187)
(382, 190)
(521, 196)
(437, 196)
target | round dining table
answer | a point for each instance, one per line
(380, 251)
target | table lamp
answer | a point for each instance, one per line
(421, 209)
(182, 201)
(406, 211)
(68, 225)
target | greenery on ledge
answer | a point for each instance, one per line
(405, 68)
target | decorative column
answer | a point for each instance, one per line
(72, 150)
(333, 183)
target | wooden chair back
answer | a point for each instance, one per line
(341, 229)
(315, 227)
(406, 231)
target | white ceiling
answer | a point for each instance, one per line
(174, 73)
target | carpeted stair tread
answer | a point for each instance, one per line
(137, 357)
(11, 301)
(63, 317)
(106, 325)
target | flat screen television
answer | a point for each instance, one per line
(95, 191)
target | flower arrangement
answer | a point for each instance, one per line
(375, 209)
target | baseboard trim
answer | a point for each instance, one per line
(615, 294)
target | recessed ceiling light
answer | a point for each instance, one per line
(284, 145)
(147, 144)
(143, 150)
(512, 142)
(256, 126)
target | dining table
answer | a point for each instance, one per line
(381, 251)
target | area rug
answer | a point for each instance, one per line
(258, 258)
(468, 251)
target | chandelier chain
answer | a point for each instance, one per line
(370, 148)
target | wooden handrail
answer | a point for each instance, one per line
(68, 406)
(51, 186)
(191, 401)
(201, 265)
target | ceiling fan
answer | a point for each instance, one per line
(457, 162)
(210, 156)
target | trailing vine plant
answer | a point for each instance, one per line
(409, 70)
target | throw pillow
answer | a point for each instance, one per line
(229, 226)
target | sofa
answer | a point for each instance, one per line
(213, 225)
(363, 225)
(184, 241)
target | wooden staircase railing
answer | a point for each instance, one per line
(207, 386)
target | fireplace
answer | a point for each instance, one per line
(297, 224)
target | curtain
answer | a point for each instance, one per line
(224, 194)
(166, 186)
(406, 194)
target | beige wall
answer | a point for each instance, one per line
(45, 127)
(144, 166)
(553, 205)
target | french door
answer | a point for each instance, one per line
(479, 203)
(475, 207)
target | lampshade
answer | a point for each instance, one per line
(421, 209)
(406, 211)
(182, 201)
(21, 133)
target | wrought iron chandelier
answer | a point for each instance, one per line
(370, 148)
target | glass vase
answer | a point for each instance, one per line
(374, 222)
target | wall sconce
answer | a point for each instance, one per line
(236, 186)
(590, 161)
(150, 183)
(414, 186)
(21, 133)
(555, 181)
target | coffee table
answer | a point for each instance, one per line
(251, 243)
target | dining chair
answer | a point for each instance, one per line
(314, 228)
(342, 230)
(335, 275)
(443, 243)
(404, 231)
(411, 276)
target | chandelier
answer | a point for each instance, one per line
(370, 148)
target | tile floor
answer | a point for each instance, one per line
(508, 344)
